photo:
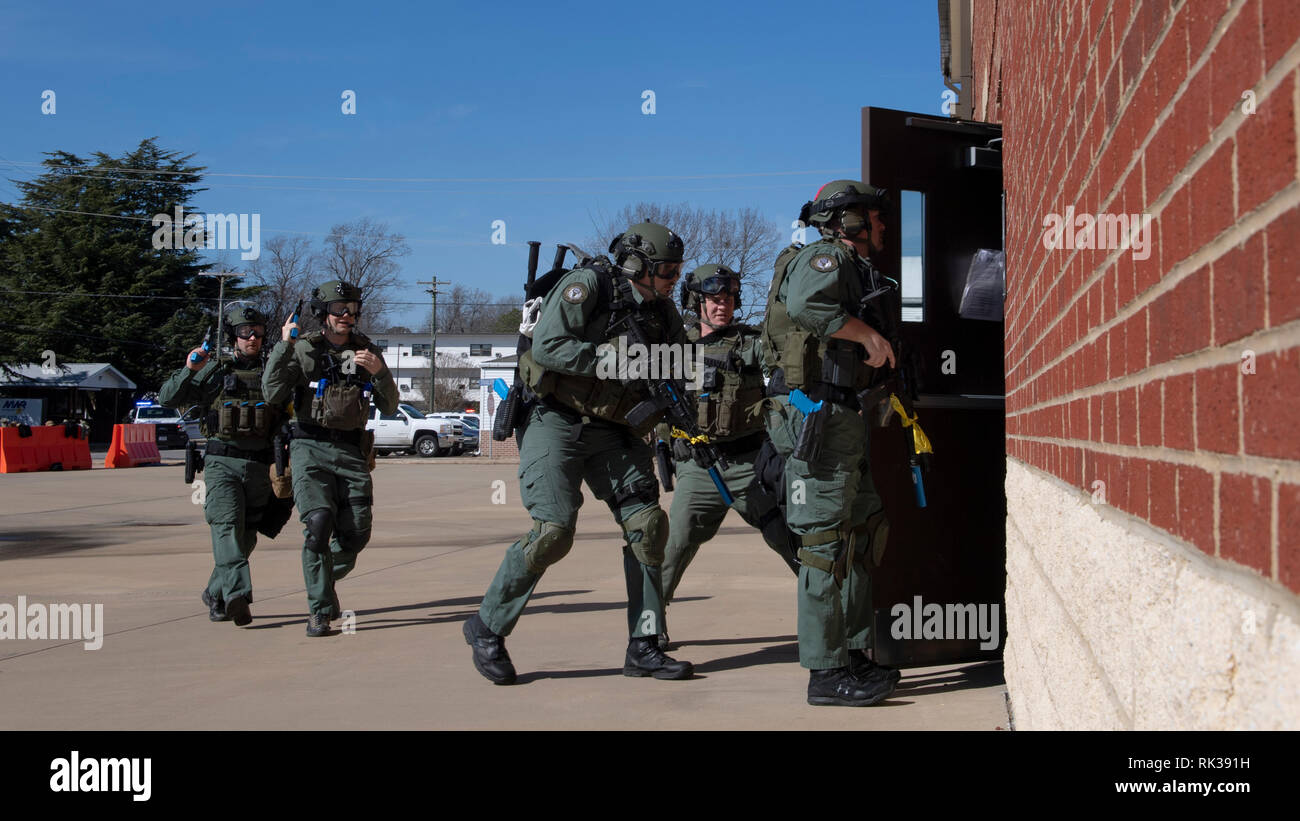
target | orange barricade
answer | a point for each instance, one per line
(133, 445)
(46, 448)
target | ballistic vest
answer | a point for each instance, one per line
(730, 400)
(806, 360)
(607, 399)
(239, 412)
(343, 402)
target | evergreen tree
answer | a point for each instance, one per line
(79, 274)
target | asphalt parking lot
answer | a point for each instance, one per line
(135, 541)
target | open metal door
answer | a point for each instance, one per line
(945, 180)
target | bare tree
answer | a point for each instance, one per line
(743, 240)
(364, 253)
(284, 270)
(468, 310)
(456, 384)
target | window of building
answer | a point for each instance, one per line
(480, 350)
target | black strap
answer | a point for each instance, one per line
(218, 448)
(306, 430)
(744, 444)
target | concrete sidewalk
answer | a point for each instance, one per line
(134, 541)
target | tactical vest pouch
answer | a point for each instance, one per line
(341, 408)
(227, 420)
(261, 419)
(840, 366)
(798, 357)
(245, 414)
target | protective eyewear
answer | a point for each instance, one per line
(344, 308)
(668, 270)
(250, 332)
(720, 284)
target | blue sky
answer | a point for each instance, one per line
(468, 113)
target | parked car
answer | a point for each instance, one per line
(467, 427)
(407, 430)
(171, 431)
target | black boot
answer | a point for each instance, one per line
(838, 686)
(318, 625)
(216, 607)
(864, 668)
(490, 656)
(644, 658)
(237, 609)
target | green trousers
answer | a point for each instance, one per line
(236, 493)
(829, 502)
(331, 476)
(556, 455)
(698, 510)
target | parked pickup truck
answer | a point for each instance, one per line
(407, 430)
(466, 425)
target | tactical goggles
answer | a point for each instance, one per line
(250, 332)
(667, 270)
(719, 284)
(344, 308)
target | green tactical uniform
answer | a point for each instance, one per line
(832, 502)
(236, 472)
(331, 479)
(578, 432)
(731, 412)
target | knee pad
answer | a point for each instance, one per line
(547, 544)
(320, 525)
(647, 535)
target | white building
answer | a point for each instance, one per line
(460, 357)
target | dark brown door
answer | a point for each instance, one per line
(945, 179)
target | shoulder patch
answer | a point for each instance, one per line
(575, 293)
(824, 263)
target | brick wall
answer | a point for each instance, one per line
(1173, 380)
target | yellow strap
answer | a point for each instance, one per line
(702, 439)
(921, 442)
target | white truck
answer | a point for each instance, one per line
(407, 430)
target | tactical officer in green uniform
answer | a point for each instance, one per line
(816, 343)
(331, 375)
(239, 423)
(576, 430)
(732, 414)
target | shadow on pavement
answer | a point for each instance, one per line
(973, 676)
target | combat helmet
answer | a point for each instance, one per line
(834, 197)
(241, 314)
(336, 290)
(708, 279)
(643, 247)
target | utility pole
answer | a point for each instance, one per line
(433, 338)
(221, 302)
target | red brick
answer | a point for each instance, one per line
(1135, 342)
(1149, 270)
(1079, 419)
(1149, 414)
(1137, 474)
(1192, 113)
(1115, 341)
(1164, 502)
(1239, 287)
(1288, 536)
(1169, 68)
(1202, 18)
(1267, 147)
(1284, 268)
(1176, 230)
(1094, 419)
(1110, 417)
(1270, 397)
(1246, 520)
(1212, 190)
(1128, 416)
(1130, 56)
(1281, 25)
(1161, 157)
(1180, 319)
(1237, 62)
(1217, 420)
(1178, 431)
(1196, 507)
